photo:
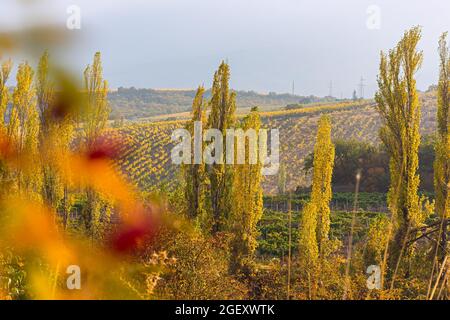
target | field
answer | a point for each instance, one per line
(145, 146)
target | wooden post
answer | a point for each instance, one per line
(289, 249)
(350, 239)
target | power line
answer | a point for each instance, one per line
(361, 86)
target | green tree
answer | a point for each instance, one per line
(194, 173)
(221, 117)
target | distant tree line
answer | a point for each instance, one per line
(137, 103)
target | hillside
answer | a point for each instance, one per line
(145, 147)
(132, 103)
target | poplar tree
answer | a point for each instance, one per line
(96, 113)
(4, 93)
(94, 120)
(221, 117)
(322, 173)
(23, 130)
(45, 96)
(442, 165)
(308, 247)
(247, 200)
(315, 220)
(44, 93)
(398, 105)
(4, 99)
(54, 138)
(194, 173)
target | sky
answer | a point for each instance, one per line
(269, 44)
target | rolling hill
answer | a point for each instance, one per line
(145, 146)
(132, 103)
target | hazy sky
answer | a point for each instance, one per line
(268, 43)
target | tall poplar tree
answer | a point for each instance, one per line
(4, 99)
(54, 138)
(398, 105)
(45, 96)
(96, 113)
(247, 200)
(315, 224)
(221, 117)
(23, 130)
(308, 247)
(94, 119)
(442, 162)
(194, 173)
(44, 92)
(4, 93)
(322, 173)
(315, 220)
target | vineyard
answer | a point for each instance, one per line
(132, 103)
(144, 151)
(144, 147)
(181, 165)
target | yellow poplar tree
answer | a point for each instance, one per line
(308, 247)
(195, 175)
(4, 93)
(221, 117)
(398, 105)
(247, 200)
(4, 99)
(315, 221)
(23, 129)
(96, 113)
(54, 139)
(442, 165)
(45, 95)
(322, 173)
(94, 119)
